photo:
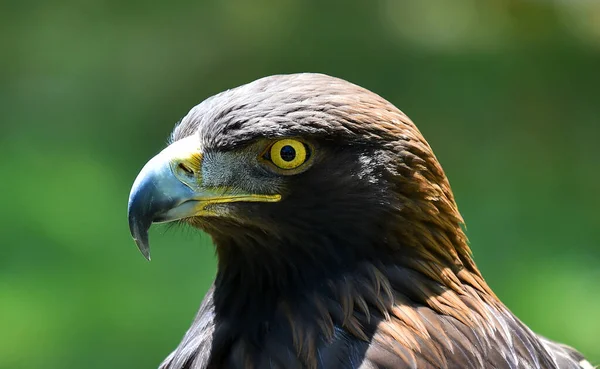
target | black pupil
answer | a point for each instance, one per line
(287, 153)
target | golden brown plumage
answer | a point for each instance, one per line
(356, 259)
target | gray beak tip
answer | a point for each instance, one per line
(143, 245)
(138, 226)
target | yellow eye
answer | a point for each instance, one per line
(288, 153)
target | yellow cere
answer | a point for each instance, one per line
(288, 153)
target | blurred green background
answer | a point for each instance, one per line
(507, 92)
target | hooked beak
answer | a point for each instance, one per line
(169, 187)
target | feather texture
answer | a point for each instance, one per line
(363, 265)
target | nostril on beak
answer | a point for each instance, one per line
(185, 169)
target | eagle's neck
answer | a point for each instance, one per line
(257, 274)
(329, 283)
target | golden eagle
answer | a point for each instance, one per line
(339, 242)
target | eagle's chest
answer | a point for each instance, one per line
(280, 348)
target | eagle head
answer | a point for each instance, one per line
(299, 167)
(338, 238)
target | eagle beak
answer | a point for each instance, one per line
(169, 187)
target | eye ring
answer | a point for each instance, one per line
(287, 154)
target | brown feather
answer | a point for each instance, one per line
(371, 270)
